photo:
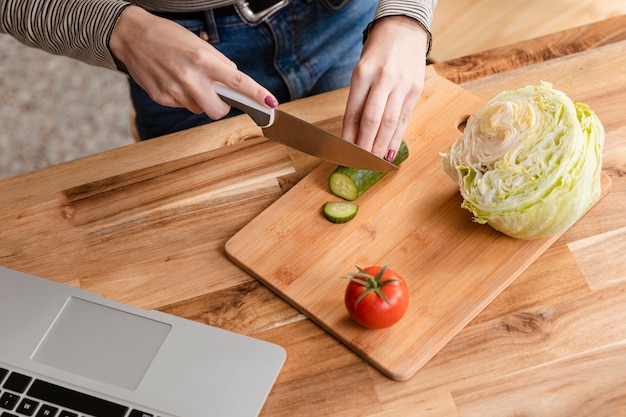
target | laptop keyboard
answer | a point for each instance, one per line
(23, 395)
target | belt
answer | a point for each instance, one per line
(252, 11)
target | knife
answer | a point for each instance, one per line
(284, 128)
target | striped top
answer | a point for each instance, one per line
(81, 29)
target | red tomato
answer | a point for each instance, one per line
(376, 297)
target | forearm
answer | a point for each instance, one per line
(419, 10)
(79, 29)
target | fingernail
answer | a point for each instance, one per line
(391, 155)
(271, 101)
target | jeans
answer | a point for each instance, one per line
(306, 48)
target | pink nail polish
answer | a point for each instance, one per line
(271, 101)
(391, 155)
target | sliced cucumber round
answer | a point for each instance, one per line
(340, 211)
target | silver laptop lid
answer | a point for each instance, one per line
(164, 364)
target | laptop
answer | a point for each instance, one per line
(67, 352)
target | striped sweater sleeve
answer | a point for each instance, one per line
(420, 10)
(79, 29)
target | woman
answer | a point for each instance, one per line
(270, 50)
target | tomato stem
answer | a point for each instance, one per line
(372, 284)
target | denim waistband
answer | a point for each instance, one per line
(229, 10)
(199, 15)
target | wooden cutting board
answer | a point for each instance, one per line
(410, 220)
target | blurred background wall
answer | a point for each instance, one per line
(54, 109)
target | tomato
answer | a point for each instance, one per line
(376, 297)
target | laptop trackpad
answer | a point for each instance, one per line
(101, 343)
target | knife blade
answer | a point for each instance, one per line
(289, 130)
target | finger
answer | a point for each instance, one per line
(194, 107)
(180, 92)
(198, 96)
(396, 141)
(397, 132)
(383, 141)
(208, 99)
(403, 121)
(246, 85)
(176, 97)
(371, 119)
(185, 97)
(210, 103)
(354, 110)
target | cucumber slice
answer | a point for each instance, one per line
(350, 183)
(340, 212)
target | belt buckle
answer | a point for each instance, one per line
(251, 17)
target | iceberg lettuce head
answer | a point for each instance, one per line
(529, 162)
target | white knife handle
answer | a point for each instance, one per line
(261, 115)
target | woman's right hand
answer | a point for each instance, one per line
(176, 67)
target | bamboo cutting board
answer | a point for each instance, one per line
(410, 220)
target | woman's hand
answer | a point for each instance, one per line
(176, 67)
(385, 85)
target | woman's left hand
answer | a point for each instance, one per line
(385, 85)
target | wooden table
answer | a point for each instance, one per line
(486, 24)
(146, 225)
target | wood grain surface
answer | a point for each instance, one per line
(551, 344)
(470, 27)
(491, 61)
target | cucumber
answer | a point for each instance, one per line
(350, 183)
(340, 212)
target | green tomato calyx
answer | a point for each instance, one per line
(372, 284)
